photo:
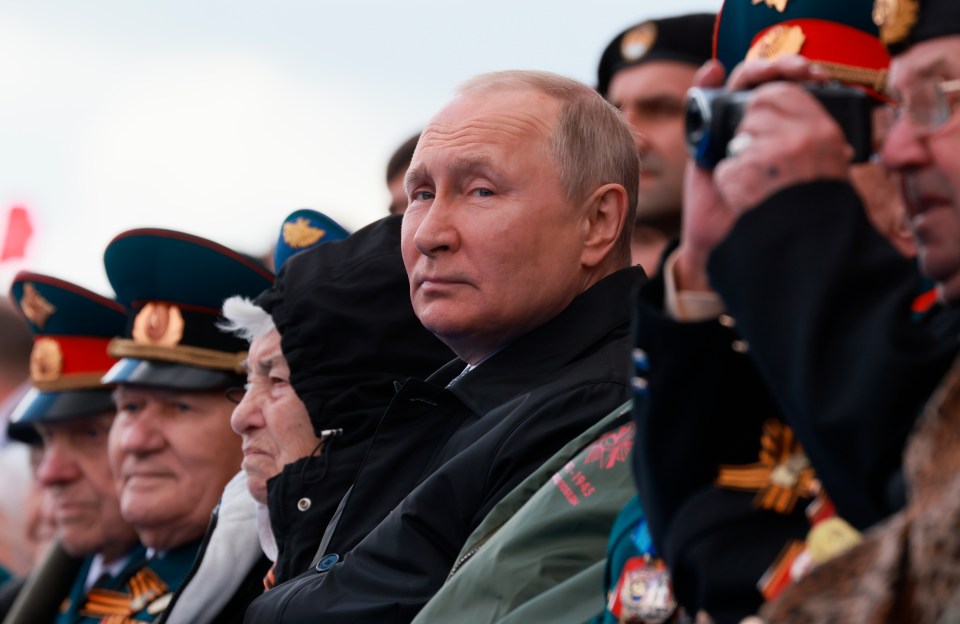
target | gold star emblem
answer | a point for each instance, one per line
(300, 233)
(37, 309)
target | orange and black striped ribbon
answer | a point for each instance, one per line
(780, 478)
(116, 607)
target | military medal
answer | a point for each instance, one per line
(646, 594)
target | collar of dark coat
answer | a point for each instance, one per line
(534, 358)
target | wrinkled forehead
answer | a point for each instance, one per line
(491, 115)
(933, 58)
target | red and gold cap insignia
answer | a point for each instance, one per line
(778, 41)
(300, 233)
(46, 360)
(35, 307)
(158, 324)
(779, 5)
(638, 41)
(895, 18)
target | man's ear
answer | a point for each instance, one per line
(604, 219)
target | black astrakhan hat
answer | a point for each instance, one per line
(685, 38)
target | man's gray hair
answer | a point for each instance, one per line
(245, 319)
(591, 145)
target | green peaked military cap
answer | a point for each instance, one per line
(175, 284)
(72, 328)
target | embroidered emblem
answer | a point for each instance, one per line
(895, 18)
(779, 5)
(831, 537)
(638, 41)
(778, 41)
(158, 324)
(611, 448)
(300, 233)
(782, 475)
(37, 309)
(46, 360)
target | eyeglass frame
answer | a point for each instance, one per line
(940, 116)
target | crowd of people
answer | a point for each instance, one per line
(606, 361)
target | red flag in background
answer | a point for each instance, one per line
(18, 234)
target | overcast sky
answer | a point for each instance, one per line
(220, 118)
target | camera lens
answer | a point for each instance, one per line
(697, 119)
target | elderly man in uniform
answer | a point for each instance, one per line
(171, 447)
(71, 413)
(645, 72)
(729, 493)
(516, 243)
(906, 569)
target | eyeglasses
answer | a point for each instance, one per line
(926, 104)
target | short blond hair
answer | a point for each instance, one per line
(591, 144)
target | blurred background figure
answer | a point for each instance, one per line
(16, 553)
(397, 168)
(70, 413)
(645, 72)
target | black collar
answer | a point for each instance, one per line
(534, 358)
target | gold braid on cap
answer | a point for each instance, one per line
(179, 354)
(876, 79)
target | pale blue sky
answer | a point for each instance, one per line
(220, 118)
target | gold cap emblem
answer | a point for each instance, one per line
(46, 360)
(779, 5)
(638, 41)
(158, 324)
(778, 41)
(895, 18)
(35, 307)
(300, 233)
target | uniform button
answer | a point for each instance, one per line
(740, 346)
(327, 562)
(726, 320)
(640, 360)
(304, 504)
(640, 385)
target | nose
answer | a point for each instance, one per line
(248, 414)
(140, 433)
(435, 228)
(57, 466)
(902, 150)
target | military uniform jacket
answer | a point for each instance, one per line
(706, 404)
(511, 414)
(825, 304)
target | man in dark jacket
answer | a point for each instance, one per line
(521, 193)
